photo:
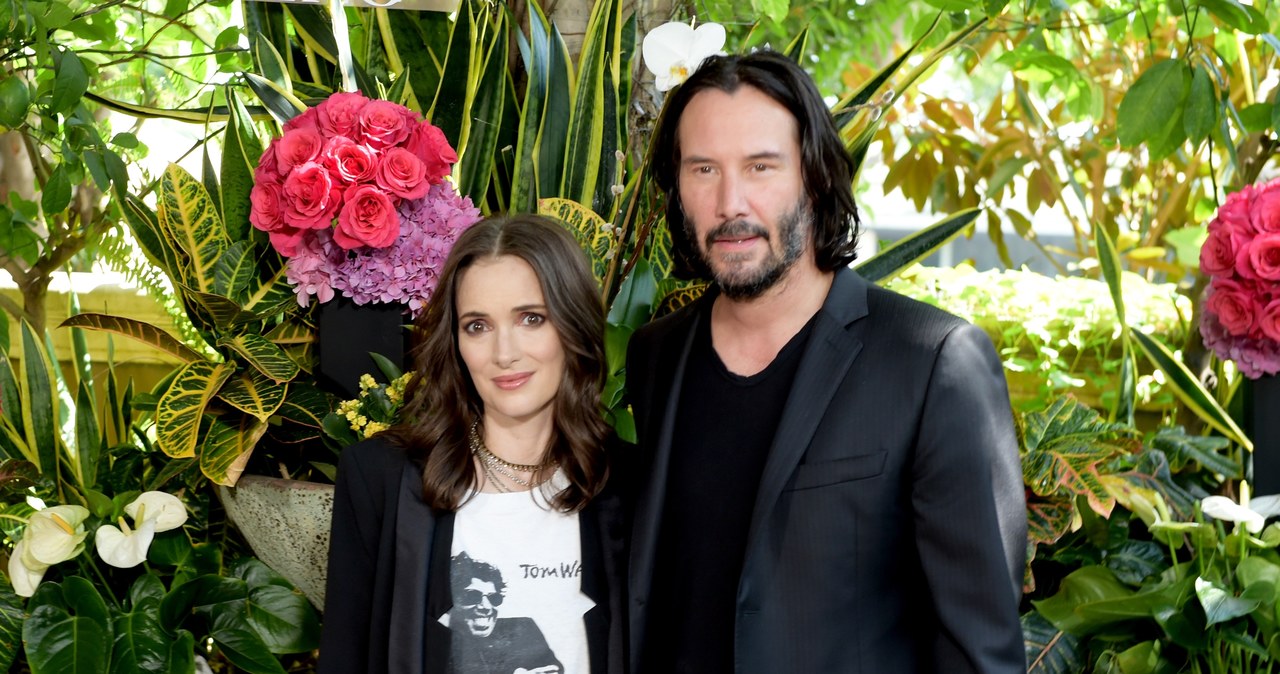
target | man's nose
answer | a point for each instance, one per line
(731, 199)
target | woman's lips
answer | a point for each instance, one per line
(508, 382)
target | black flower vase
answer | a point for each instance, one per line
(1262, 418)
(348, 333)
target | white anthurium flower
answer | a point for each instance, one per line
(674, 50)
(1253, 516)
(166, 510)
(122, 547)
(55, 534)
(24, 578)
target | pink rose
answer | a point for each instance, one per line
(1269, 321)
(268, 169)
(339, 115)
(368, 219)
(287, 240)
(349, 161)
(311, 199)
(402, 174)
(384, 124)
(1233, 305)
(1217, 255)
(427, 142)
(306, 120)
(1264, 256)
(298, 147)
(1234, 213)
(1264, 209)
(1244, 260)
(266, 213)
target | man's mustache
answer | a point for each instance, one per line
(735, 229)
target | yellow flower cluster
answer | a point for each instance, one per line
(357, 411)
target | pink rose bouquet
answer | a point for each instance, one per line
(354, 195)
(1241, 320)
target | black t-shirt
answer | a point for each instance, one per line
(723, 430)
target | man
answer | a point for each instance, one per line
(829, 472)
(483, 643)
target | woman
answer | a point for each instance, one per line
(478, 536)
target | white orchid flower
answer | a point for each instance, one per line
(152, 512)
(122, 547)
(674, 50)
(53, 535)
(1253, 516)
(166, 510)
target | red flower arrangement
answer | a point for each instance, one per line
(354, 195)
(1241, 320)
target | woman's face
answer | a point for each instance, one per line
(507, 341)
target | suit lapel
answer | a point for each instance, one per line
(830, 351)
(415, 525)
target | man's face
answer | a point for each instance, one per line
(478, 607)
(742, 189)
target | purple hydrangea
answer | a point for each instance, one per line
(405, 272)
(1254, 357)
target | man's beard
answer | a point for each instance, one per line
(739, 282)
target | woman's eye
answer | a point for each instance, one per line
(473, 327)
(533, 319)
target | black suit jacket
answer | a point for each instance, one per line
(389, 571)
(889, 529)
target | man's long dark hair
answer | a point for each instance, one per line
(442, 402)
(826, 166)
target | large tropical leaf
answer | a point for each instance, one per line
(188, 215)
(143, 332)
(1064, 445)
(253, 393)
(264, 355)
(228, 445)
(181, 408)
(911, 249)
(269, 290)
(68, 631)
(306, 405)
(1049, 519)
(298, 339)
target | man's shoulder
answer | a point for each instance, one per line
(676, 322)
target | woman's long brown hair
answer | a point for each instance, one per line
(441, 401)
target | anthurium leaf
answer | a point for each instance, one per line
(1082, 587)
(1153, 104)
(633, 305)
(1135, 561)
(1143, 658)
(911, 249)
(284, 618)
(67, 631)
(1189, 389)
(181, 407)
(228, 445)
(70, 81)
(41, 411)
(241, 150)
(1048, 649)
(254, 393)
(240, 642)
(264, 355)
(11, 618)
(594, 235)
(1220, 605)
(141, 644)
(192, 222)
(143, 332)
(1064, 445)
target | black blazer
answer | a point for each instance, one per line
(889, 529)
(389, 570)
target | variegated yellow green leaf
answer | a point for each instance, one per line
(192, 222)
(180, 408)
(587, 227)
(678, 298)
(268, 291)
(660, 257)
(305, 404)
(298, 339)
(221, 310)
(143, 332)
(234, 268)
(254, 393)
(268, 358)
(228, 446)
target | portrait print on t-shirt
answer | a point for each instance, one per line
(484, 642)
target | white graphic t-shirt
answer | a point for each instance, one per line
(516, 583)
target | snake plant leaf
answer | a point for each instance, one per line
(633, 305)
(1109, 261)
(594, 235)
(147, 231)
(449, 105)
(212, 114)
(267, 58)
(553, 135)
(420, 42)
(587, 144)
(282, 104)
(298, 339)
(68, 631)
(315, 28)
(189, 218)
(228, 445)
(479, 143)
(798, 46)
(253, 393)
(265, 356)
(399, 92)
(241, 150)
(1189, 389)
(40, 414)
(915, 247)
(134, 329)
(12, 447)
(182, 406)
(89, 439)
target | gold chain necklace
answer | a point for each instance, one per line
(495, 465)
